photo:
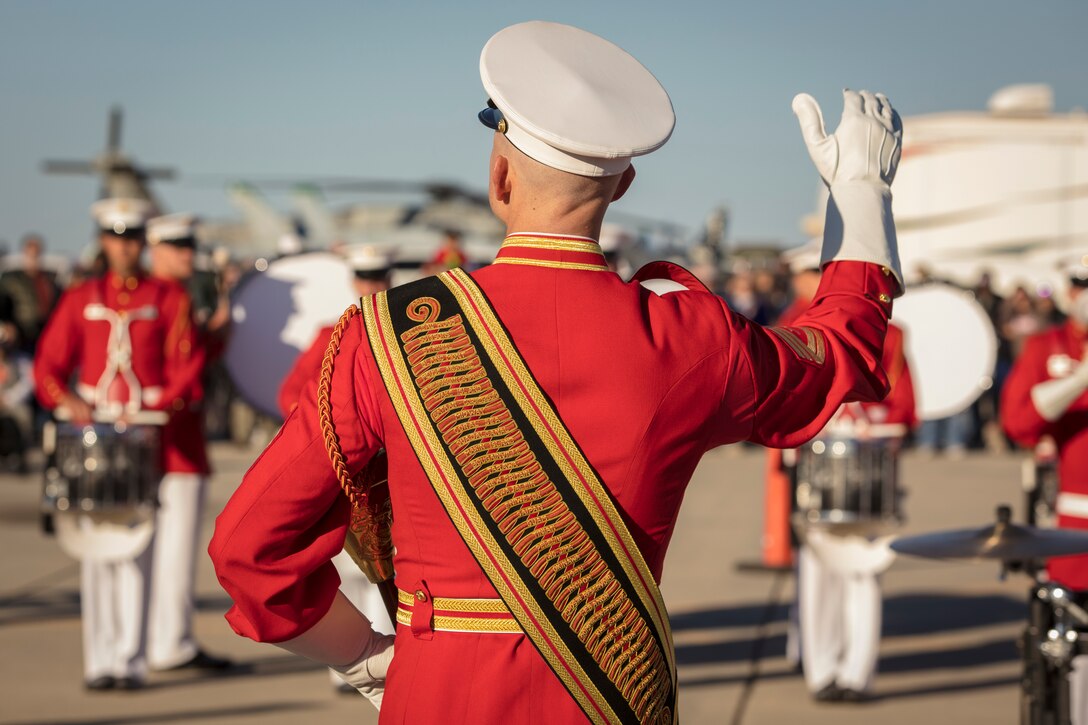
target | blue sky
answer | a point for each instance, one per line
(391, 90)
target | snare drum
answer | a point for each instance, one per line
(847, 481)
(100, 468)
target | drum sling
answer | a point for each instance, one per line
(524, 498)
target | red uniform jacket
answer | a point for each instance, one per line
(183, 435)
(305, 369)
(1044, 356)
(646, 384)
(165, 359)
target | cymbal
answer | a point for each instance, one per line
(1003, 540)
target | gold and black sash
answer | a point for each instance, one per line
(524, 498)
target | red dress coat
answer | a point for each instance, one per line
(1044, 357)
(165, 358)
(645, 383)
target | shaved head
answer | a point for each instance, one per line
(523, 190)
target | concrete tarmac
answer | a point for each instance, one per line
(948, 654)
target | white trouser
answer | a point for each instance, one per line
(840, 618)
(793, 621)
(364, 595)
(1078, 691)
(173, 572)
(113, 597)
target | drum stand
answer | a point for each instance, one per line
(1048, 645)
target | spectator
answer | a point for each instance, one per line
(740, 294)
(986, 408)
(772, 290)
(16, 386)
(1019, 319)
(33, 292)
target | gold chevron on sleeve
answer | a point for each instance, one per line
(805, 342)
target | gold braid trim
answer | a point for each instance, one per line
(324, 409)
(444, 623)
(369, 540)
(458, 604)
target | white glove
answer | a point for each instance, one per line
(858, 163)
(345, 635)
(1052, 398)
(367, 674)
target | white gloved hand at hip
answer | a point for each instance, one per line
(343, 634)
(858, 163)
(367, 674)
(1053, 397)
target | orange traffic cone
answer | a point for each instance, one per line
(777, 548)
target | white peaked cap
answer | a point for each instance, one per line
(171, 227)
(367, 258)
(121, 215)
(805, 257)
(572, 100)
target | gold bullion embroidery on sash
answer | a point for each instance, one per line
(523, 503)
(807, 343)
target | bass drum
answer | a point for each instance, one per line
(276, 313)
(951, 347)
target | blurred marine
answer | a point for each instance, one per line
(838, 584)
(1046, 394)
(129, 340)
(171, 644)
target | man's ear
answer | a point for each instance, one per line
(500, 179)
(626, 178)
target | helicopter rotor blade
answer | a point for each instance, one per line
(113, 133)
(69, 167)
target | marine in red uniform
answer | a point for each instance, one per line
(1047, 394)
(171, 642)
(646, 377)
(129, 340)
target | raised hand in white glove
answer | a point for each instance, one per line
(858, 163)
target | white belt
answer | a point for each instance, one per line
(152, 395)
(1072, 504)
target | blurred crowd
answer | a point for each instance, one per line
(756, 286)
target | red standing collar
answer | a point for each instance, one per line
(552, 250)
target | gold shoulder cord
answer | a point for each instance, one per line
(369, 540)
